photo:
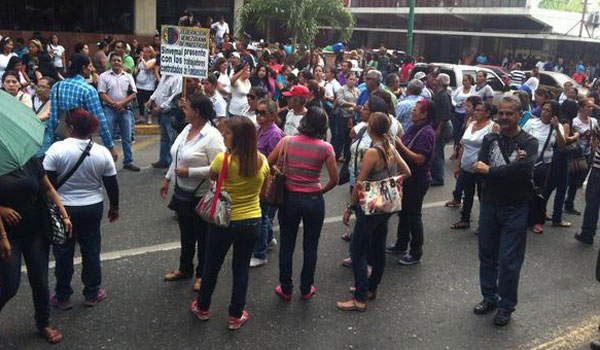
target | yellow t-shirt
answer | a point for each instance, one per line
(244, 191)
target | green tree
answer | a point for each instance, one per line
(562, 5)
(301, 18)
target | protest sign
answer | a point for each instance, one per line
(184, 51)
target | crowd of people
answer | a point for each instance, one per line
(266, 107)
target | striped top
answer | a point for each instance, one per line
(305, 157)
(596, 162)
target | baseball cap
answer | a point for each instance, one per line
(298, 91)
(419, 75)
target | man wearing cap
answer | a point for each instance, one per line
(296, 99)
(117, 89)
(75, 92)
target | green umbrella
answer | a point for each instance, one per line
(21, 133)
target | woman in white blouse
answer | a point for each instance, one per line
(192, 152)
(459, 101)
(240, 87)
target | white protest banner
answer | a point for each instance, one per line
(184, 51)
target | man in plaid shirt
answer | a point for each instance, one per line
(76, 92)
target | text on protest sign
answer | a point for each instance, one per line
(184, 51)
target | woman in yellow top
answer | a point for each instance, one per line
(246, 171)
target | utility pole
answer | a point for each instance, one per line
(411, 27)
(585, 5)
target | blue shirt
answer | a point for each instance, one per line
(404, 110)
(76, 92)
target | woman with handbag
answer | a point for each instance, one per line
(558, 177)
(195, 147)
(77, 168)
(304, 157)
(381, 162)
(549, 133)
(584, 125)
(416, 146)
(241, 173)
(22, 196)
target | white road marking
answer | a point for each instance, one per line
(119, 254)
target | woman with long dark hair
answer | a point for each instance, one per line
(305, 154)
(194, 149)
(370, 232)
(247, 169)
(260, 78)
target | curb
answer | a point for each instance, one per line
(147, 129)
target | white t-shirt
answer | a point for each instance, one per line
(581, 128)
(4, 61)
(225, 81)
(331, 88)
(538, 129)
(219, 104)
(292, 122)
(145, 79)
(220, 29)
(239, 100)
(459, 99)
(250, 115)
(85, 186)
(57, 52)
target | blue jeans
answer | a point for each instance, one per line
(266, 231)
(437, 164)
(457, 126)
(557, 179)
(167, 137)
(310, 208)
(32, 246)
(502, 237)
(592, 205)
(242, 235)
(86, 231)
(457, 194)
(368, 245)
(123, 120)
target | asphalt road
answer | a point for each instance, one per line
(426, 306)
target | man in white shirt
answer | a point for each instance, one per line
(160, 103)
(296, 99)
(220, 28)
(117, 89)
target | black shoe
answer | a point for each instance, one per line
(436, 184)
(408, 260)
(484, 307)
(131, 167)
(158, 165)
(572, 211)
(394, 249)
(583, 240)
(502, 317)
(595, 345)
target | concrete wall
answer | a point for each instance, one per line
(145, 17)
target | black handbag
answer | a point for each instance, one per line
(57, 233)
(183, 200)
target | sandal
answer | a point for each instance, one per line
(452, 204)
(460, 225)
(347, 236)
(352, 305)
(51, 335)
(177, 275)
(562, 223)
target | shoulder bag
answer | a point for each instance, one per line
(60, 131)
(215, 206)
(57, 234)
(182, 199)
(381, 196)
(274, 188)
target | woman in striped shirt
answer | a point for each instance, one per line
(305, 155)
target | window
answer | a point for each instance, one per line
(106, 16)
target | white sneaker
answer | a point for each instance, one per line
(255, 262)
(273, 243)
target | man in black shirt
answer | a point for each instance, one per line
(442, 127)
(506, 164)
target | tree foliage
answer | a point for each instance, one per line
(562, 5)
(301, 17)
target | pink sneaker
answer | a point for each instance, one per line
(539, 229)
(101, 295)
(63, 305)
(282, 295)
(237, 323)
(347, 262)
(310, 294)
(202, 315)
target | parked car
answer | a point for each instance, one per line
(456, 72)
(554, 82)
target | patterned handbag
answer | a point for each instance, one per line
(381, 196)
(215, 206)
